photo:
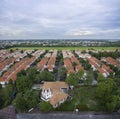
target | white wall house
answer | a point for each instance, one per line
(54, 92)
(46, 94)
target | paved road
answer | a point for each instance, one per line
(59, 71)
(66, 116)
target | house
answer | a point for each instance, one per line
(104, 73)
(65, 55)
(99, 66)
(68, 66)
(54, 92)
(80, 55)
(51, 64)
(11, 73)
(118, 59)
(70, 71)
(50, 68)
(78, 67)
(4, 65)
(113, 62)
(71, 63)
(42, 64)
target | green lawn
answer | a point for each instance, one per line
(66, 48)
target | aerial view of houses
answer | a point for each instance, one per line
(59, 59)
(59, 80)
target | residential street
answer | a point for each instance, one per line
(67, 116)
(59, 71)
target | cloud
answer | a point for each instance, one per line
(13, 32)
(59, 18)
(78, 33)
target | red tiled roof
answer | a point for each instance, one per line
(43, 62)
(102, 68)
(12, 72)
(68, 65)
(74, 59)
(6, 62)
(79, 67)
(112, 61)
(52, 61)
(107, 68)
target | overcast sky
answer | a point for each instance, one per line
(28, 19)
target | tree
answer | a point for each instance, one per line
(46, 76)
(104, 95)
(1, 102)
(111, 105)
(95, 74)
(8, 91)
(89, 78)
(11, 50)
(6, 94)
(26, 101)
(72, 79)
(74, 64)
(1, 98)
(21, 73)
(100, 78)
(55, 70)
(117, 73)
(86, 65)
(45, 106)
(63, 73)
(83, 51)
(80, 73)
(32, 73)
(20, 103)
(0, 86)
(21, 51)
(117, 81)
(23, 84)
(31, 98)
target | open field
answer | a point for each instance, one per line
(66, 48)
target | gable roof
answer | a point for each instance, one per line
(57, 94)
(54, 85)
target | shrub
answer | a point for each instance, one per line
(45, 106)
(82, 107)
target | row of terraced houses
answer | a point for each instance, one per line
(98, 65)
(48, 61)
(71, 63)
(55, 92)
(12, 64)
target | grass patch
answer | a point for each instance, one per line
(66, 48)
